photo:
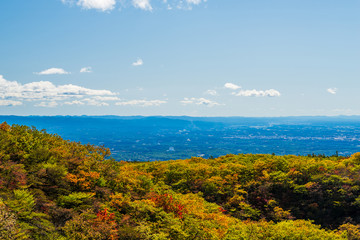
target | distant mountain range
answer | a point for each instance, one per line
(173, 137)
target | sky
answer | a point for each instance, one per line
(180, 57)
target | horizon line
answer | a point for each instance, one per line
(112, 115)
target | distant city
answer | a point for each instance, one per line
(165, 138)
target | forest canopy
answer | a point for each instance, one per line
(51, 188)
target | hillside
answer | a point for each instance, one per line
(51, 188)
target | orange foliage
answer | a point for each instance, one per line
(84, 180)
(5, 127)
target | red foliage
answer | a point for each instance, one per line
(104, 216)
(167, 202)
(105, 222)
(222, 210)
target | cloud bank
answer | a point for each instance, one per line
(10, 103)
(13, 93)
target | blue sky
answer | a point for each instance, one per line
(180, 57)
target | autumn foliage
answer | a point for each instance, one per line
(167, 202)
(51, 188)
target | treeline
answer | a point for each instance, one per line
(51, 188)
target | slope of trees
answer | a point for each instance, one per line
(51, 188)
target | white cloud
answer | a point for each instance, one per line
(232, 86)
(332, 90)
(75, 102)
(102, 5)
(95, 102)
(142, 103)
(68, 1)
(51, 71)
(106, 98)
(252, 93)
(200, 101)
(47, 104)
(259, 93)
(138, 62)
(10, 103)
(195, 2)
(108, 5)
(142, 4)
(49, 93)
(88, 101)
(211, 92)
(86, 70)
(188, 4)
